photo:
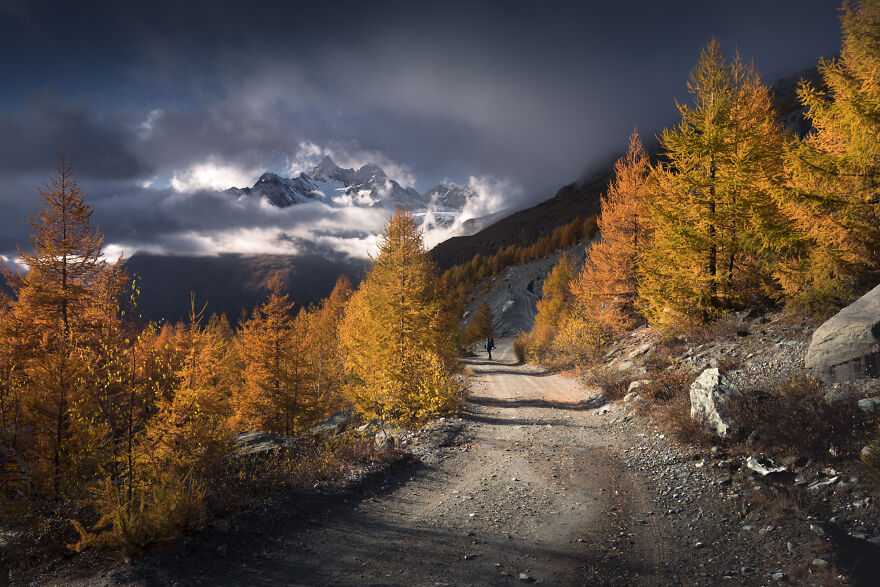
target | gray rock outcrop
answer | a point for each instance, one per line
(710, 400)
(847, 346)
(334, 424)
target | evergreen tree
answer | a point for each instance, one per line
(711, 210)
(557, 300)
(324, 346)
(274, 396)
(54, 321)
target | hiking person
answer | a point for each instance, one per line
(490, 345)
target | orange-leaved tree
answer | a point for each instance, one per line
(480, 324)
(833, 197)
(275, 395)
(608, 284)
(399, 332)
(712, 211)
(56, 330)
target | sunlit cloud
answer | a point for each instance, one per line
(212, 175)
(348, 155)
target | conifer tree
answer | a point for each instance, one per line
(557, 300)
(324, 346)
(832, 197)
(608, 283)
(480, 325)
(711, 210)
(273, 395)
(399, 331)
(53, 318)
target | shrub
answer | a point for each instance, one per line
(674, 417)
(667, 385)
(520, 344)
(612, 382)
(797, 417)
(154, 511)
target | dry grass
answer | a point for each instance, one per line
(673, 416)
(667, 385)
(797, 418)
(612, 382)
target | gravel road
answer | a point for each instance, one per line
(531, 488)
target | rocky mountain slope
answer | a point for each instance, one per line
(513, 294)
(526, 226)
(581, 198)
(231, 284)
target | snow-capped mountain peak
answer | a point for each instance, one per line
(366, 187)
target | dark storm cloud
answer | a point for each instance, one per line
(536, 92)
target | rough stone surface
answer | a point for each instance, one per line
(870, 405)
(847, 346)
(763, 466)
(255, 442)
(710, 400)
(334, 424)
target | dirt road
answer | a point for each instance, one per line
(531, 490)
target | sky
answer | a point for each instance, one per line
(160, 104)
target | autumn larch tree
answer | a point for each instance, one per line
(557, 300)
(713, 196)
(399, 332)
(273, 396)
(52, 314)
(608, 283)
(480, 325)
(324, 346)
(833, 197)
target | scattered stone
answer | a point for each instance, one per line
(637, 384)
(820, 563)
(778, 576)
(865, 452)
(870, 405)
(764, 466)
(817, 530)
(846, 346)
(255, 442)
(710, 400)
(526, 578)
(334, 424)
(625, 366)
(221, 550)
(825, 482)
(630, 397)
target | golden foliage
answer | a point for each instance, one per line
(399, 332)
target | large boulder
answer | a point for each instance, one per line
(848, 345)
(710, 400)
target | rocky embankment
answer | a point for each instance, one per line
(771, 512)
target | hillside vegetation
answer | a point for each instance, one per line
(130, 433)
(738, 213)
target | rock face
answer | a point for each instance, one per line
(848, 345)
(710, 400)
